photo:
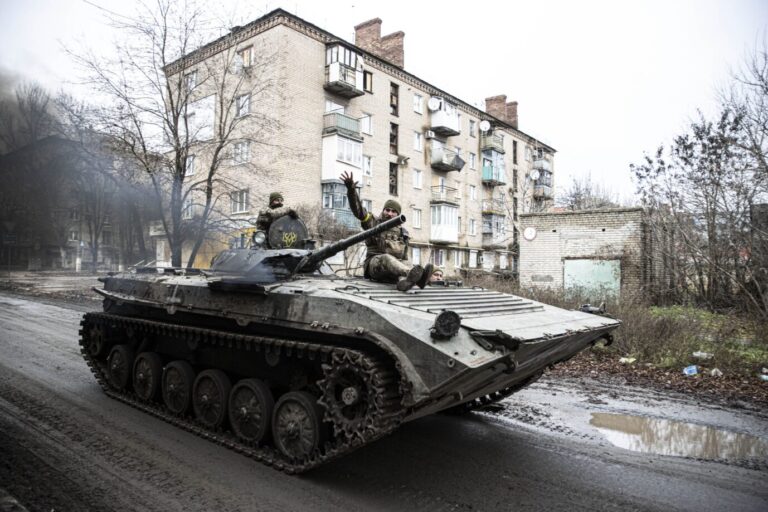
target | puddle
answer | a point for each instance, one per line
(668, 437)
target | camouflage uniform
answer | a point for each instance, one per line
(386, 252)
(268, 215)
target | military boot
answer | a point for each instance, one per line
(414, 277)
(426, 275)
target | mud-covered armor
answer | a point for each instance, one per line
(273, 355)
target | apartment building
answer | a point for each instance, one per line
(461, 174)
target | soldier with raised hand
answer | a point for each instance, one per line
(387, 252)
(275, 210)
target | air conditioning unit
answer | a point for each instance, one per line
(429, 134)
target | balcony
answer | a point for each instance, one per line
(335, 122)
(446, 160)
(491, 142)
(444, 228)
(542, 191)
(494, 176)
(494, 206)
(445, 195)
(343, 80)
(444, 117)
(542, 164)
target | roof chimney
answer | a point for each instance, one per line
(498, 107)
(390, 47)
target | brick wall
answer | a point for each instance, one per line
(609, 234)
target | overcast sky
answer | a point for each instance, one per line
(600, 81)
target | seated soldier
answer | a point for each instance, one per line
(387, 251)
(437, 277)
(275, 210)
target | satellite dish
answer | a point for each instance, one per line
(535, 175)
(434, 104)
(485, 125)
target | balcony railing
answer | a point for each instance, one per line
(494, 206)
(542, 164)
(491, 141)
(343, 80)
(445, 195)
(542, 191)
(494, 175)
(444, 117)
(446, 160)
(335, 122)
(494, 239)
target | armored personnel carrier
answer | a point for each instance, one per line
(273, 355)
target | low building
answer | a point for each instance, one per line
(603, 252)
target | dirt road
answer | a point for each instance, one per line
(66, 446)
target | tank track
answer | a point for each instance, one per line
(484, 401)
(387, 384)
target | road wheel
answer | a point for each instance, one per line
(297, 426)
(119, 366)
(147, 374)
(177, 386)
(250, 410)
(210, 396)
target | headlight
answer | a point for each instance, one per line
(259, 238)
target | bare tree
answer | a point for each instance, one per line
(27, 117)
(584, 194)
(170, 105)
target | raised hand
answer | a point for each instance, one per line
(348, 179)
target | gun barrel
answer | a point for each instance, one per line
(329, 250)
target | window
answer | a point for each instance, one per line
(367, 81)
(393, 138)
(472, 128)
(438, 257)
(368, 205)
(460, 230)
(472, 259)
(393, 178)
(366, 124)
(367, 166)
(74, 236)
(528, 153)
(502, 261)
(243, 105)
(418, 103)
(472, 161)
(239, 201)
(190, 81)
(459, 258)
(341, 54)
(188, 209)
(458, 151)
(349, 151)
(189, 165)
(514, 151)
(472, 227)
(394, 93)
(416, 220)
(418, 141)
(74, 214)
(514, 208)
(473, 192)
(417, 178)
(333, 107)
(416, 255)
(246, 56)
(242, 152)
(106, 238)
(514, 180)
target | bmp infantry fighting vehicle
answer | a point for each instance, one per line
(271, 354)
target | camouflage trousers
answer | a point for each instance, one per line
(386, 268)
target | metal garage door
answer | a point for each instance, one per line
(592, 276)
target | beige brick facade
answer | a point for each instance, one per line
(295, 156)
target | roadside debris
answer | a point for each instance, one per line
(716, 372)
(627, 360)
(703, 355)
(691, 370)
(764, 377)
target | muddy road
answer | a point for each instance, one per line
(66, 446)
